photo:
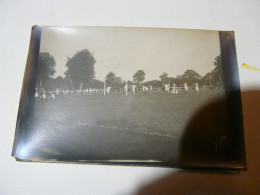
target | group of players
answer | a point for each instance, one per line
(175, 89)
(43, 94)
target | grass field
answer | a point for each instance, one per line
(96, 127)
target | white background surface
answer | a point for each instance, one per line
(16, 20)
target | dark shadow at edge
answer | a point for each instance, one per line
(212, 182)
(214, 137)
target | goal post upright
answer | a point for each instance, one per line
(126, 67)
(105, 86)
(126, 88)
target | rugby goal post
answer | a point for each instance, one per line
(105, 84)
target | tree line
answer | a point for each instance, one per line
(80, 74)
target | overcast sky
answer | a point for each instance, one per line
(127, 50)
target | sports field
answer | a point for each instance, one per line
(144, 126)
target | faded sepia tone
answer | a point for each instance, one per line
(153, 50)
(113, 94)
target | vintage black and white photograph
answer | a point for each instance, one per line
(129, 95)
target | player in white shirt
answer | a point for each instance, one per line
(150, 88)
(167, 87)
(36, 94)
(133, 88)
(186, 88)
(174, 88)
(108, 90)
(125, 88)
(197, 88)
(145, 89)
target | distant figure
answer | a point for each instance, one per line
(108, 90)
(150, 88)
(57, 92)
(167, 87)
(125, 88)
(51, 95)
(186, 88)
(133, 88)
(36, 94)
(93, 90)
(197, 88)
(145, 89)
(42, 93)
(174, 88)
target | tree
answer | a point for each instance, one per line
(190, 77)
(218, 71)
(49, 84)
(59, 82)
(154, 83)
(218, 64)
(139, 76)
(67, 84)
(96, 84)
(113, 80)
(207, 79)
(215, 77)
(46, 68)
(81, 68)
(111, 76)
(191, 74)
(164, 78)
